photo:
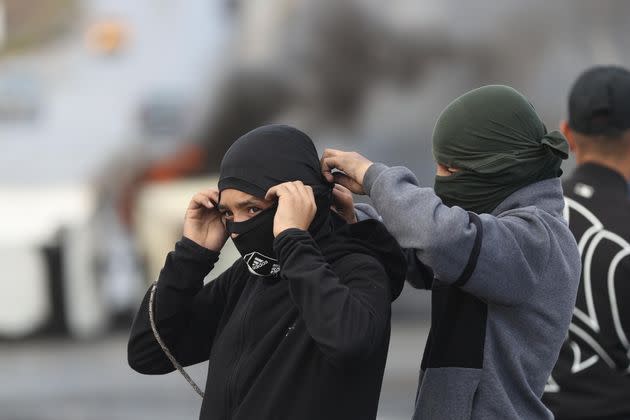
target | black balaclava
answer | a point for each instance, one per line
(499, 144)
(264, 157)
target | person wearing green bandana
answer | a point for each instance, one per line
(490, 242)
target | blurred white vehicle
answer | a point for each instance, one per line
(20, 97)
(47, 255)
(67, 262)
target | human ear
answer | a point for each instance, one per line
(565, 129)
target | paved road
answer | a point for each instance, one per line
(66, 380)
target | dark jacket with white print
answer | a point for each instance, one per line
(310, 344)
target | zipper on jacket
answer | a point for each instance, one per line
(231, 381)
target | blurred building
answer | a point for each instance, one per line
(30, 23)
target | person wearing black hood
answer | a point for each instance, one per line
(299, 326)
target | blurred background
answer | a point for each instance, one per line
(114, 112)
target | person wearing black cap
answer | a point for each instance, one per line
(298, 328)
(591, 379)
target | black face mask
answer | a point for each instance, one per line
(258, 160)
(255, 242)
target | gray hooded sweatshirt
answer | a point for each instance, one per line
(503, 290)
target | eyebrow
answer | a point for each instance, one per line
(241, 204)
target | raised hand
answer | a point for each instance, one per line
(352, 165)
(296, 206)
(203, 222)
(343, 203)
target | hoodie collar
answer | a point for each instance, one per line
(545, 195)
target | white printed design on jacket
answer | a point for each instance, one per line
(258, 264)
(587, 350)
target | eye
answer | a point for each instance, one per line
(253, 210)
(227, 214)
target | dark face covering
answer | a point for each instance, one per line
(499, 144)
(260, 159)
(255, 242)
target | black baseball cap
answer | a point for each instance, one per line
(599, 102)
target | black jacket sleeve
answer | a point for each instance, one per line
(346, 315)
(186, 312)
(419, 275)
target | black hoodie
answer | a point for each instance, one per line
(309, 344)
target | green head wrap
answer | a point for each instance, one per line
(499, 144)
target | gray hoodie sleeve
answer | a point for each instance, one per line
(364, 212)
(418, 275)
(498, 259)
